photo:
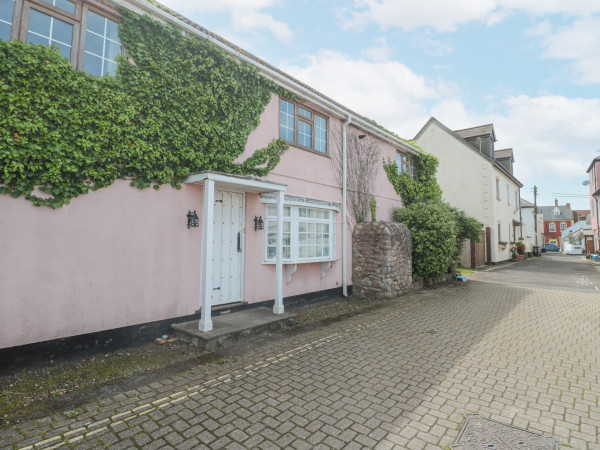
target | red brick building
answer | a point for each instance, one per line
(557, 219)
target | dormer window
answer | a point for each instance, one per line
(556, 212)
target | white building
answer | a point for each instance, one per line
(478, 179)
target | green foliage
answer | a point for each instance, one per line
(520, 248)
(373, 208)
(422, 187)
(466, 228)
(433, 232)
(183, 107)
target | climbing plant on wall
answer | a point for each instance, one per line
(180, 105)
(422, 186)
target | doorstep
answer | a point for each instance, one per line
(230, 328)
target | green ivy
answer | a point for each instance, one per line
(180, 105)
(422, 186)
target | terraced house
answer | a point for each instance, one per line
(251, 208)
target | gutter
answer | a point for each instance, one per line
(268, 72)
(344, 207)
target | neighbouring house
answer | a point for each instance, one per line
(593, 172)
(580, 214)
(557, 219)
(533, 226)
(574, 238)
(122, 258)
(473, 179)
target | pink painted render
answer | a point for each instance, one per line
(122, 256)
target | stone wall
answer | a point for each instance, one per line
(381, 259)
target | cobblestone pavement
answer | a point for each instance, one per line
(401, 376)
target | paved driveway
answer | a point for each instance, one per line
(402, 376)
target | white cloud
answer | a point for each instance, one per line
(380, 51)
(386, 91)
(580, 43)
(445, 16)
(246, 15)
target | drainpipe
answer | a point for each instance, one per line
(344, 208)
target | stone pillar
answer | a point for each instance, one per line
(381, 259)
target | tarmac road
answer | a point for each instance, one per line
(549, 271)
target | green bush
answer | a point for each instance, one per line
(433, 232)
(437, 231)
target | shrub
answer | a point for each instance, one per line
(433, 232)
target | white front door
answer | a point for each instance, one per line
(228, 248)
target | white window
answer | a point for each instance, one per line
(507, 194)
(497, 188)
(308, 234)
(563, 226)
(552, 227)
(6, 18)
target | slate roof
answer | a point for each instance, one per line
(548, 212)
(526, 204)
(481, 130)
(504, 153)
(455, 135)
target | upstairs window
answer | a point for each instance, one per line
(552, 227)
(563, 226)
(87, 36)
(302, 126)
(405, 164)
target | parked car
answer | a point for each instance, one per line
(552, 247)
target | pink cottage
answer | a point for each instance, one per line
(121, 258)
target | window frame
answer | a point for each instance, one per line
(20, 23)
(563, 226)
(552, 227)
(294, 219)
(405, 158)
(311, 121)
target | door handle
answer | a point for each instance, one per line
(239, 242)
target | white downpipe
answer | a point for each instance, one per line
(344, 207)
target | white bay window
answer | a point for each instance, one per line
(308, 234)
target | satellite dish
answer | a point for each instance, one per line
(586, 182)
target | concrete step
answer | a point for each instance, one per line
(230, 328)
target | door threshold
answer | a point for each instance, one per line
(224, 307)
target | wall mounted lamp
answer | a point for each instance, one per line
(258, 223)
(193, 221)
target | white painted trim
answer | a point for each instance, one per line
(205, 323)
(278, 305)
(290, 269)
(325, 266)
(305, 204)
(244, 183)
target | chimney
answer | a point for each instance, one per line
(555, 202)
(568, 206)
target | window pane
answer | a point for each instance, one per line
(112, 50)
(112, 30)
(6, 14)
(286, 252)
(39, 23)
(62, 32)
(271, 211)
(304, 134)
(96, 23)
(92, 65)
(320, 134)
(270, 252)
(304, 112)
(287, 119)
(93, 43)
(110, 67)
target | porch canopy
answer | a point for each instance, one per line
(222, 181)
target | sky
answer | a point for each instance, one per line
(530, 67)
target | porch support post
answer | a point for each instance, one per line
(208, 212)
(278, 306)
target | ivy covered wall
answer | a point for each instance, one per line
(179, 105)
